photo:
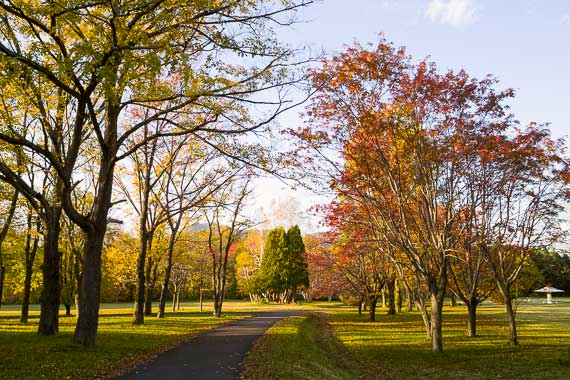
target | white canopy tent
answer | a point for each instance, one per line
(549, 290)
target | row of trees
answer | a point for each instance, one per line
(436, 185)
(87, 86)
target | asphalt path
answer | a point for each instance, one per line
(214, 355)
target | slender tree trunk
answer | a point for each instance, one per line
(421, 306)
(398, 297)
(151, 276)
(26, 298)
(174, 293)
(51, 291)
(472, 317)
(513, 336)
(201, 294)
(409, 299)
(383, 297)
(372, 310)
(3, 233)
(67, 309)
(391, 297)
(360, 303)
(138, 312)
(453, 300)
(167, 272)
(2, 276)
(178, 297)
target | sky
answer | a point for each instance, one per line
(524, 43)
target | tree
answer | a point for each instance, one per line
(188, 182)
(228, 203)
(103, 59)
(283, 267)
(325, 280)
(295, 262)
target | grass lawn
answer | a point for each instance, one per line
(299, 348)
(26, 355)
(395, 347)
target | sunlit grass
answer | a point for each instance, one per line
(120, 345)
(396, 347)
(298, 348)
(398, 344)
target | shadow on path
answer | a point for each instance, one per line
(214, 355)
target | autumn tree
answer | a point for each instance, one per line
(524, 194)
(191, 177)
(225, 225)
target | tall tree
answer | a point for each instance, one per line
(228, 204)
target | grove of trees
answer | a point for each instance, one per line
(436, 183)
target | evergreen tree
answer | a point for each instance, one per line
(296, 264)
(283, 268)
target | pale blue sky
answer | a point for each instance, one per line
(525, 44)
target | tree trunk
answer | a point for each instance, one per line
(409, 299)
(67, 310)
(383, 297)
(151, 275)
(3, 233)
(372, 309)
(26, 298)
(174, 296)
(51, 291)
(148, 300)
(436, 298)
(167, 271)
(472, 318)
(201, 294)
(88, 313)
(398, 297)
(453, 300)
(360, 302)
(421, 306)
(391, 297)
(514, 339)
(138, 312)
(2, 275)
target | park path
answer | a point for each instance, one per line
(214, 355)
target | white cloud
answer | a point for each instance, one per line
(565, 20)
(453, 12)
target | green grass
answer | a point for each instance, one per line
(298, 348)
(26, 355)
(395, 347)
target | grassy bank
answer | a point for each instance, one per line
(299, 348)
(395, 347)
(26, 355)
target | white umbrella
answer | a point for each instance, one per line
(549, 290)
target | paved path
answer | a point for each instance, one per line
(214, 355)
